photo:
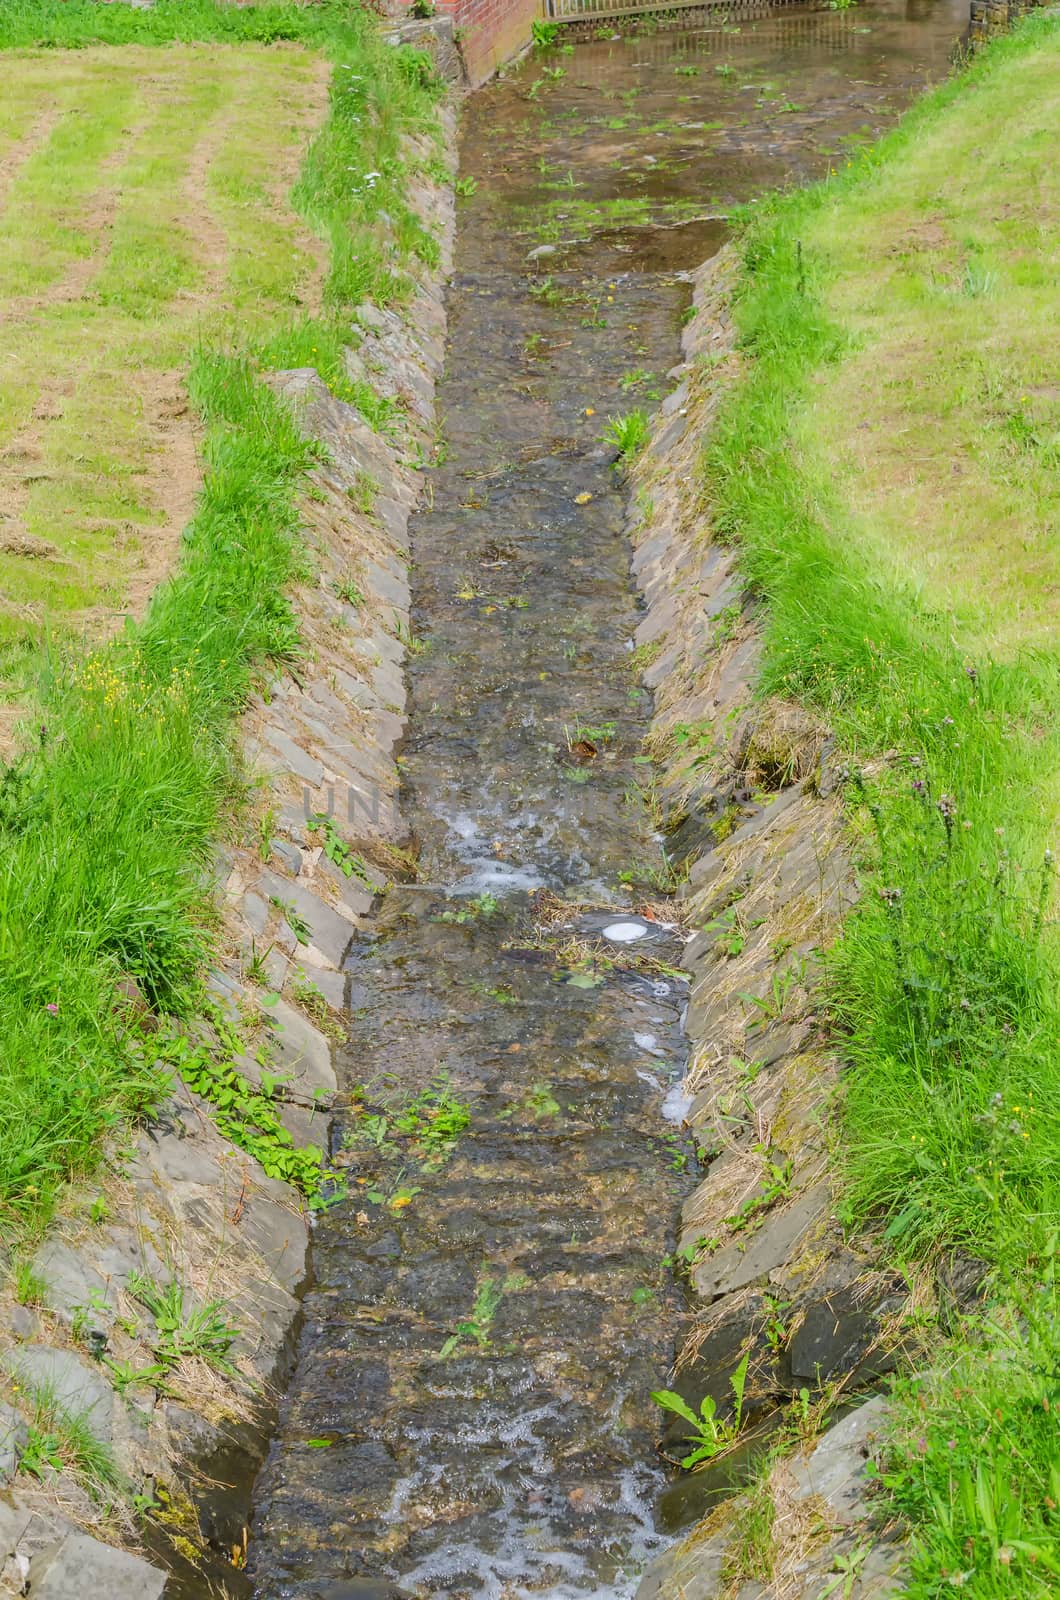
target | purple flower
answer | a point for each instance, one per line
(53, 1008)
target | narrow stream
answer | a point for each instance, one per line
(470, 1415)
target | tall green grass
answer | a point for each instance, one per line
(107, 822)
(943, 984)
(974, 1466)
(944, 980)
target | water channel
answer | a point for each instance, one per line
(470, 1414)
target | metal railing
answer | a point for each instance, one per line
(594, 11)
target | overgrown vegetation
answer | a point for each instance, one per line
(628, 434)
(200, 1333)
(975, 1466)
(708, 1434)
(62, 1439)
(106, 821)
(888, 469)
(426, 1126)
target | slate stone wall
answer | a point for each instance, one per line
(749, 789)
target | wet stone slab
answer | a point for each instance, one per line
(466, 1438)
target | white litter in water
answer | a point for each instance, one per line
(624, 932)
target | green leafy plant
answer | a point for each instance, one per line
(543, 32)
(541, 1102)
(477, 1327)
(590, 733)
(628, 434)
(336, 849)
(776, 1187)
(42, 1453)
(483, 905)
(249, 1118)
(61, 1439)
(266, 828)
(545, 290)
(710, 1435)
(348, 589)
(846, 1567)
(30, 1287)
(124, 1376)
(434, 1121)
(297, 924)
(203, 1334)
(777, 1329)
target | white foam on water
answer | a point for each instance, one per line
(624, 932)
(648, 1042)
(491, 873)
(678, 1104)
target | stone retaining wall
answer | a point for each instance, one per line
(181, 1205)
(990, 17)
(748, 789)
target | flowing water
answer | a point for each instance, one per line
(470, 1415)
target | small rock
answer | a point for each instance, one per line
(835, 1468)
(92, 1571)
(14, 1520)
(289, 854)
(255, 909)
(72, 1385)
(778, 1241)
(13, 1436)
(296, 759)
(74, 1289)
(24, 1323)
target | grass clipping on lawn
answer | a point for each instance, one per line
(146, 209)
(890, 469)
(107, 819)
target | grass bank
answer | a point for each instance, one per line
(107, 817)
(889, 469)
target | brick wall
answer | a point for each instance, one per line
(490, 31)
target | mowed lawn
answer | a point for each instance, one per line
(144, 207)
(941, 426)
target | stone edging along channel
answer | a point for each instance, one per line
(748, 788)
(183, 1206)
